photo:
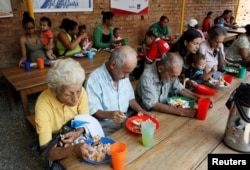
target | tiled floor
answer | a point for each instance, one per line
(16, 137)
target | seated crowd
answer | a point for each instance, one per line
(107, 94)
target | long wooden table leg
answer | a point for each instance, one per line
(11, 96)
(24, 99)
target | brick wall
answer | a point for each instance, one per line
(133, 26)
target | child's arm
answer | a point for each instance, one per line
(50, 44)
(209, 74)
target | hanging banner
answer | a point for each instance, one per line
(5, 9)
(129, 7)
(62, 5)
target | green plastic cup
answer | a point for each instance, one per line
(147, 130)
(125, 41)
(242, 72)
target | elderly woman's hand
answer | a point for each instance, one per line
(118, 116)
(68, 138)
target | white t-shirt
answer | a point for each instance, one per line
(211, 59)
(233, 52)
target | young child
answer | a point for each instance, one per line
(85, 44)
(232, 20)
(117, 37)
(47, 37)
(116, 33)
(198, 64)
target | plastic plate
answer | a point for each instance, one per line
(217, 84)
(232, 70)
(205, 90)
(49, 62)
(181, 101)
(131, 126)
(80, 55)
(104, 140)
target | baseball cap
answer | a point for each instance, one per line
(192, 22)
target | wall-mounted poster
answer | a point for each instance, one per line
(62, 5)
(5, 9)
(127, 7)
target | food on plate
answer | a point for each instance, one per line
(137, 122)
(96, 139)
(136, 125)
(97, 150)
(231, 70)
(178, 102)
(221, 82)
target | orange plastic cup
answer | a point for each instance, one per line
(118, 152)
(228, 78)
(40, 63)
(203, 105)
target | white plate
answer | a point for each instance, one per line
(49, 62)
(80, 55)
(218, 83)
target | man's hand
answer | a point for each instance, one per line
(188, 112)
(118, 116)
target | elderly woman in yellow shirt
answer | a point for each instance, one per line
(62, 101)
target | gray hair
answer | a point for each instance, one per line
(119, 55)
(168, 60)
(215, 32)
(65, 72)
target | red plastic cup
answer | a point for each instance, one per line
(203, 105)
(228, 78)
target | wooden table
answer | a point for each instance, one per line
(34, 81)
(230, 37)
(179, 143)
(238, 30)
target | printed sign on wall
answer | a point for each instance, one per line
(5, 9)
(128, 7)
(62, 5)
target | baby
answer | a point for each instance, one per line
(116, 33)
(198, 64)
(117, 37)
(47, 37)
(85, 43)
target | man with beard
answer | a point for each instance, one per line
(159, 82)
